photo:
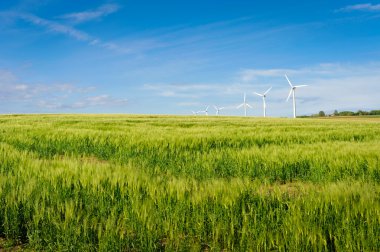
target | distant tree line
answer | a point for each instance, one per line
(346, 113)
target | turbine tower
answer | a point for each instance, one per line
(245, 105)
(292, 92)
(218, 109)
(264, 104)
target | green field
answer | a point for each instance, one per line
(167, 183)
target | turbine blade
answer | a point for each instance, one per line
(290, 93)
(249, 106)
(221, 108)
(288, 80)
(241, 105)
(258, 94)
(301, 86)
(267, 90)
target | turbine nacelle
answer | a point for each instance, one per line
(264, 95)
(245, 105)
(292, 92)
(217, 109)
(203, 111)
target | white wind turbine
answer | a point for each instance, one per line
(204, 111)
(245, 105)
(292, 92)
(218, 109)
(264, 104)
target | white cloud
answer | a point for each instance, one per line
(54, 26)
(51, 97)
(66, 30)
(21, 87)
(100, 100)
(82, 103)
(49, 104)
(331, 86)
(188, 104)
(177, 90)
(102, 11)
(6, 76)
(14, 90)
(324, 69)
(86, 102)
(362, 7)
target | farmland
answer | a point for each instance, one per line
(167, 183)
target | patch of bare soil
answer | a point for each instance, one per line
(7, 246)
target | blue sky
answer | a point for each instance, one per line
(171, 57)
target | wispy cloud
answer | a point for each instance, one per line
(324, 69)
(182, 90)
(182, 41)
(6, 76)
(362, 7)
(53, 96)
(84, 16)
(14, 90)
(55, 27)
(86, 102)
(189, 104)
(99, 100)
(331, 86)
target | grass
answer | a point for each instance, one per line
(143, 183)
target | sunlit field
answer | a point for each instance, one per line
(192, 183)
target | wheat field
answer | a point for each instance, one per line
(186, 183)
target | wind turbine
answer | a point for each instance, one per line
(204, 111)
(264, 104)
(218, 109)
(292, 92)
(245, 105)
